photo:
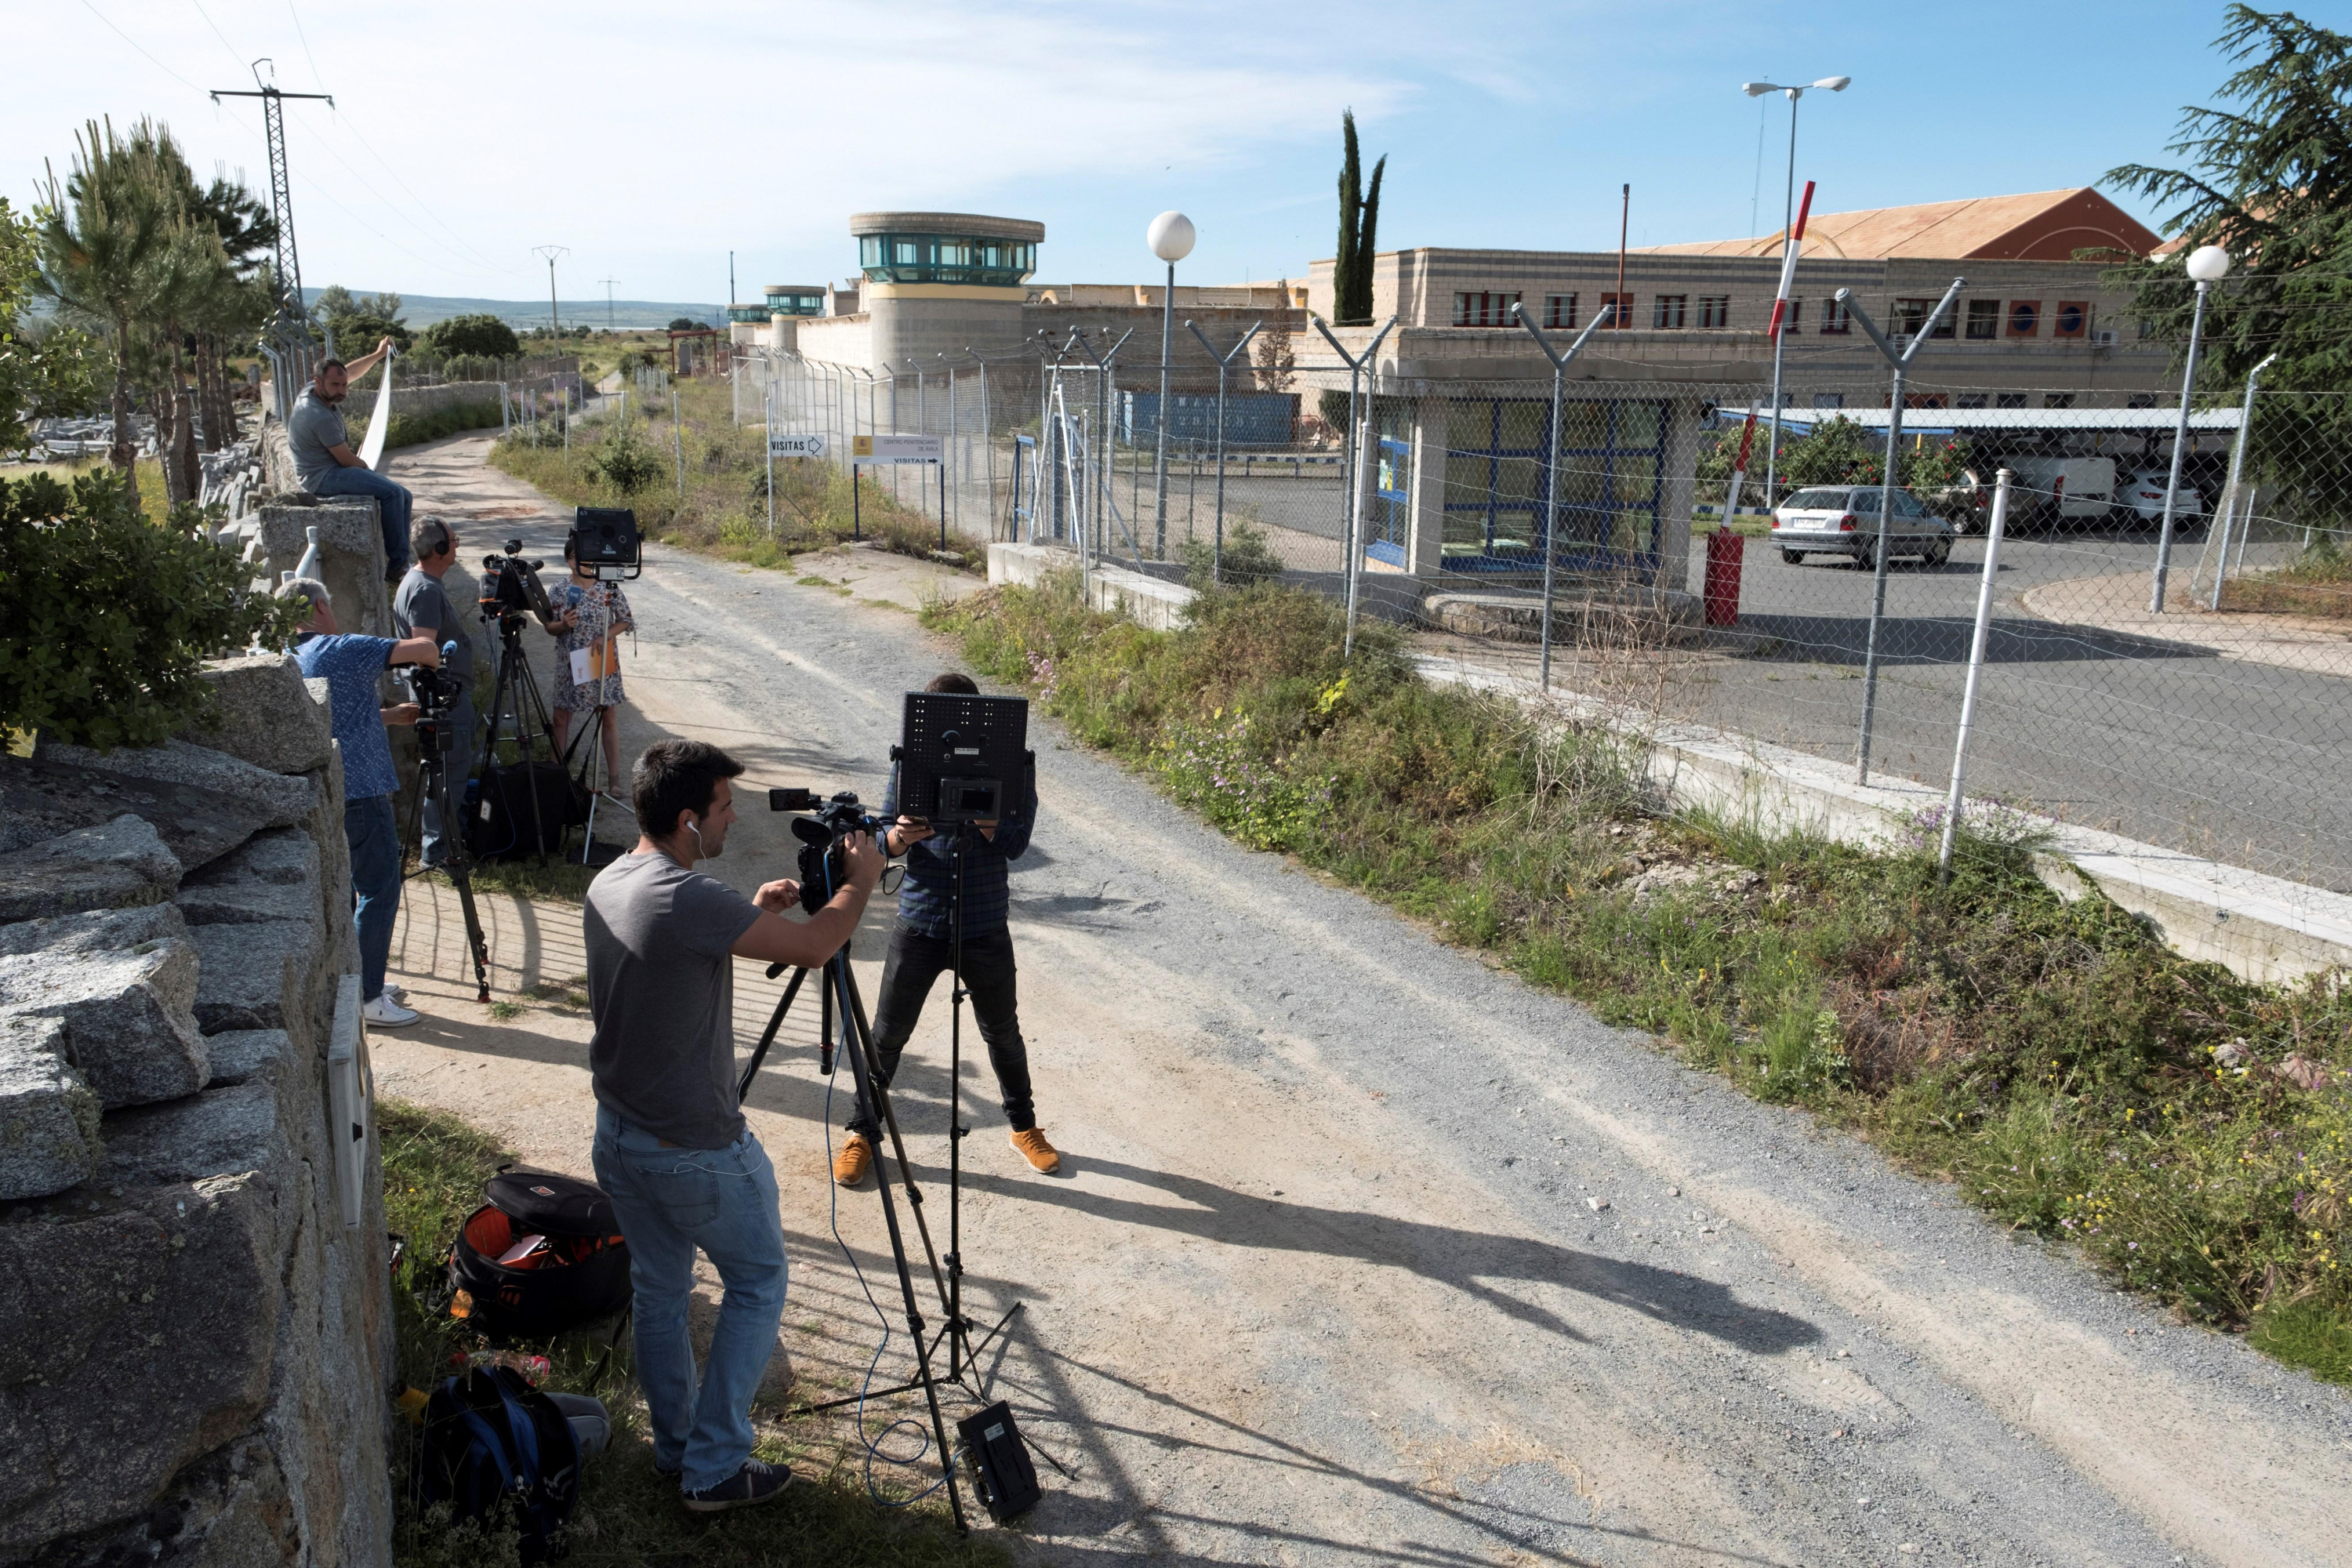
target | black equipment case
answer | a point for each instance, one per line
(580, 1276)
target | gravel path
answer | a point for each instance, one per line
(1367, 1253)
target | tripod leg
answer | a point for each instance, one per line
(463, 875)
(853, 1050)
(768, 1036)
(889, 1124)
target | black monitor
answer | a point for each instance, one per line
(606, 538)
(962, 758)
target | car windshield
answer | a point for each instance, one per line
(1818, 498)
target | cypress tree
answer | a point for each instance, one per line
(1359, 216)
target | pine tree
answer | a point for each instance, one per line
(2270, 181)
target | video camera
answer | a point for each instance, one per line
(824, 868)
(436, 692)
(510, 586)
(606, 539)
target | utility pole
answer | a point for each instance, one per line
(730, 281)
(552, 252)
(608, 283)
(281, 190)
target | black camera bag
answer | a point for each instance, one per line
(507, 828)
(582, 1277)
(494, 1443)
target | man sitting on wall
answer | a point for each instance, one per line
(351, 666)
(325, 463)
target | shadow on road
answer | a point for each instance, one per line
(1943, 639)
(1475, 1263)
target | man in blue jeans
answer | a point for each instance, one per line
(351, 666)
(672, 1150)
(325, 464)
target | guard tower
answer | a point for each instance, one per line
(941, 283)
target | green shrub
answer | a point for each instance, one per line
(482, 335)
(106, 618)
(625, 461)
(1249, 557)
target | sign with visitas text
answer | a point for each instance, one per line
(781, 444)
(896, 448)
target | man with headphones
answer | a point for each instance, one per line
(422, 608)
(685, 1172)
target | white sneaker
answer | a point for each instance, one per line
(397, 993)
(386, 1013)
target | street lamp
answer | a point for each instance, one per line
(1170, 237)
(1787, 224)
(2207, 264)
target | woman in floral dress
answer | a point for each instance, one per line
(590, 617)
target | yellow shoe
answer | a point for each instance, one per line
(856, 1156)
(1036, 1150)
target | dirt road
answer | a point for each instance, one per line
(1367, 1253)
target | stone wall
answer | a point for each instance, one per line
(194, 1275)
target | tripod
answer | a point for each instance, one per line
(588, 748)
(855, 1038)
(433, 781)
(515, 700)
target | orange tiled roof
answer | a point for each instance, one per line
(2043, 225)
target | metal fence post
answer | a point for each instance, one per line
(1900, 361)
(1975, 670)
(1224, 361)
(2237, 477)
(768, 439)
(678, 436)
(1552, 462)
(1353, 516)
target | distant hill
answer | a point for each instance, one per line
(422, 309)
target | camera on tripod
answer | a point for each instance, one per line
(606, 539)
(510, 586)
(824, 869)
(436, 692)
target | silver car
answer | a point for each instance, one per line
(1842, 520)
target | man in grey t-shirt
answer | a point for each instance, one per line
(325, 464)
(421, 608)
(672, 1151)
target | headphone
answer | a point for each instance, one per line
(690, 827)
(443, 547)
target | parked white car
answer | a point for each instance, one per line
(2142, 497)
(1842, 520)
(2060, 492)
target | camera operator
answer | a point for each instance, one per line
(922, 947)
(422, 608)
(351, 666)
(672, 1150)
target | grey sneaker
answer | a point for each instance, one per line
(756, 1482)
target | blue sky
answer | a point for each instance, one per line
(650, 143)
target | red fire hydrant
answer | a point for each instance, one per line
(1723, 553)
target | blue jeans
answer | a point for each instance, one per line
(369, 829)
(670, 1202)
(463, 745)
(392, 504)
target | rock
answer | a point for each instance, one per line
(2232, 1055)
(220, 1132)
(286, 800)
(48, 1113)
(119, 864)
(274, 878)
(45, 800)
(350, 553)
(157, 1316)
(129, 1028)
(240, 1055)
(99, 931)
(258, 975)
(2302, 1072)
(262, 712)
(1596, 1205)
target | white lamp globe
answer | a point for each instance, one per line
(1170, 237)
(2207, 263)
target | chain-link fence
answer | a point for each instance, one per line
(2185, 684)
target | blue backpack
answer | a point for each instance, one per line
(493, 1443)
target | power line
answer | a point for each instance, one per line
(317, 81)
